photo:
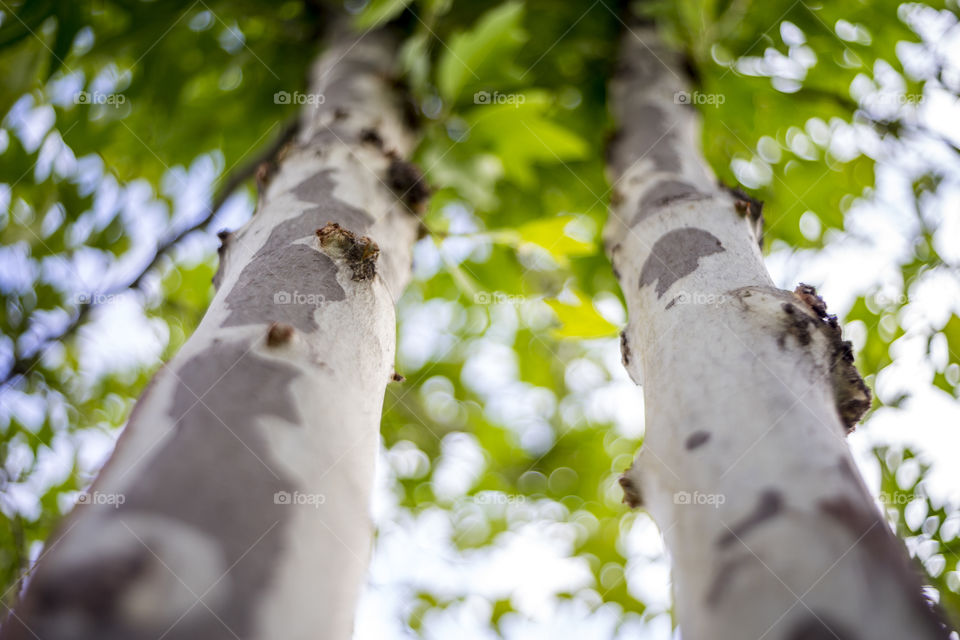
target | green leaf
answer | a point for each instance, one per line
(553, 235)
(581, 320)
(477, 53)
(951, 331)
(522, 135)
(380, 11)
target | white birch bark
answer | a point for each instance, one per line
(749, 392)
(245, 471)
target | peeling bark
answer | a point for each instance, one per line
(236, 502)
(749, 392)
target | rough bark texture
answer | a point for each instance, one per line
(244, 474)
(749, 392)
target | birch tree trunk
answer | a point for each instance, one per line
(236, 502)
(749, 391)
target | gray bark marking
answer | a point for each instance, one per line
(723, 578)
(204, 477)
(342, 93)
(663, 193)
(649, 140)
(287, 283)
(215, 477)
(676, 255)
(284, 284)
(769, 505)
(889, 562)
(696, 439)
(640, 71)
(817, 626)
(318, 190)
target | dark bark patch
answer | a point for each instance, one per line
(848, 471)
(287, 282)
(798, 324)
(233, 502)
(676, 255)
(663, 193)
(655, 141)
(91, 591)
(750, 208)
(808, 295)
(865, 525)
(359, 252)
(697, 439)
(343, 90)
(851, 394)
(624, 349)
(817, 626)
(645, 70)
(264, 174)
(210, 475)
(888, 560)
(769, 505)
(318, 190)
(226, 239)
(327, 136)
(632, 494)
(723, 577)
(616, 197)
(672, 302)
(279, 334)
(406, 180)
(372, 137)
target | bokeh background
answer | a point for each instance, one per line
(130, 135)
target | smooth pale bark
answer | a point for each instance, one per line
(245, 471)
(749, 392)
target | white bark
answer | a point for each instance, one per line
(749, 392)
(275, 399)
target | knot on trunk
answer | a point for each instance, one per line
(851, 394)
(632, 495)
(749, 208)
(359, 252)
(408, 183)
(279, 334)
(226, 240)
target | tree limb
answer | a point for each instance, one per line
(24, 363)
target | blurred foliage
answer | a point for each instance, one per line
(929, 528)
(107, 100)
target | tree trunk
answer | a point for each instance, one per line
(749, 391)
(236, 502)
